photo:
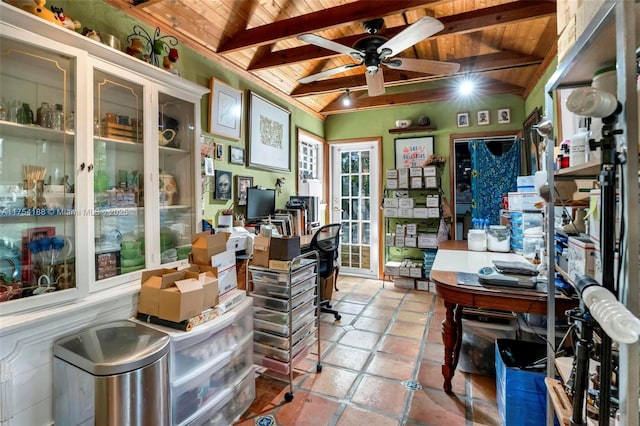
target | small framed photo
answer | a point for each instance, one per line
(463, 119)
(236, 155)
(242, 184)
(218, 151)
(483, 117)
(504, 115)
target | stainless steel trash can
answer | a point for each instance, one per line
(112, 374)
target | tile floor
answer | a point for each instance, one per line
(386, 337)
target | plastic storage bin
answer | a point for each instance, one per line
(282, 318)
(521, 394)
(282, 305)
(478, 341)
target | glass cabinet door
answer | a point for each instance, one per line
(176, 133)
(37, 156)
(118, 170)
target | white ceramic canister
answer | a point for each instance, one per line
(499, 238)
(477, 240)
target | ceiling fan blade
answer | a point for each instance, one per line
(418, 31)
(330, 44)
(375, 82)
(327, 73)
(423, 65)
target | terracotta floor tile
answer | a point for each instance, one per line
(393, 293)
(391, 366)
(434, 407)
(331, 331)
(434, 352)
(400, 346)
(380, 312)
(384, 302)
(485, 413)
(361, 298)
(430, 376)
(414, 317)
(348, 307)
(360, 339)
(483, 387)
(434, 335)
(332, 381)
(347, 357)
(307, 409)
(420, 296)
(409, 305)
(383, 395)
(407, 329)
(353, 416)
(371, 324)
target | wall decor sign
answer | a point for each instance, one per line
(225, 110)
(269, 135)
(412, 152)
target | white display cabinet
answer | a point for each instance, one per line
(105, 189)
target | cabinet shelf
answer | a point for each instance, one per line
(413, 129)
(122, 145)
(586, 170)
(26, 131)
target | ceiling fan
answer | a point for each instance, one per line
(374, 50)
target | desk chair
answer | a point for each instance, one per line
(326, 241)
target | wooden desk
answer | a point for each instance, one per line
(453, 257)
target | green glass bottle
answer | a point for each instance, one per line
(25, 114)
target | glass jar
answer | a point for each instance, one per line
(58, 118)
(532, 242)
(477, 240)
(25, 114)
(499, 238)
(45, 116)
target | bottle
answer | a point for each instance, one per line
(44, 115)
(25, 114)
(579, 146)
(564, 163)
(58, 118)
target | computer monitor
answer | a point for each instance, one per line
(261, 203)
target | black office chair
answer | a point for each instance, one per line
(326, 241)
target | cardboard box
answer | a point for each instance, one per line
(181, 301)
(389, 239)
(400, 229)
(429, 171)
(416, 182)
(390, 202)
(415, 171)
(581, 257)
(403, 182)
(284, 248)
(405, 212)
(392, 173)
(420, 212)
(406, 203)
(204, 245)
(261, 251)
(403, 173)
(390, 212)
(225, 265)
(430, 182)
(392, 267)
(282, 265)
(153, 281)
(210, 295)
(392, 183)
(412, 228)
(433, 200)
(411, 241)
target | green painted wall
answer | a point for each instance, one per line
(195, 67)
(443, 115)
(537, 96)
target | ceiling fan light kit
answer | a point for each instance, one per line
(374, 50)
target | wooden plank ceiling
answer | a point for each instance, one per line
(505, 45)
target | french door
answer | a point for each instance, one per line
(355, 197)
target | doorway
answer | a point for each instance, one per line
(461, 168)
(354, 202)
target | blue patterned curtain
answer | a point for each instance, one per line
(491, 176)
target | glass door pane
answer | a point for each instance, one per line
(118, 170)
(176, 175)
(37, 141)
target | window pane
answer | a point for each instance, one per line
(345, 186)
(355, 186)
(355, 162)
(355, 228)
(366, 233)
(354, 209)
(365, 161)
(344, 160)
(365, 186)
(346, 211)
(365, 214)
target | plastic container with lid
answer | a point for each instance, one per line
(477, 240)
(498, 238)
(532, 242)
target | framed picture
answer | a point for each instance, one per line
(223, 185)
(463, 119)
(236, 155)
(225, 110)
(269, 135)
(412, 152)
(218, 151)
(504, 115)
(242, 184)
(483, 117)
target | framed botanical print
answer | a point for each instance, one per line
(269, 135)
(225, 110)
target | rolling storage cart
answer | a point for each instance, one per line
(286, 311)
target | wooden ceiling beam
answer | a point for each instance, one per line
(482, 19)
(476, 64)
(418, 96)
(316, 21)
